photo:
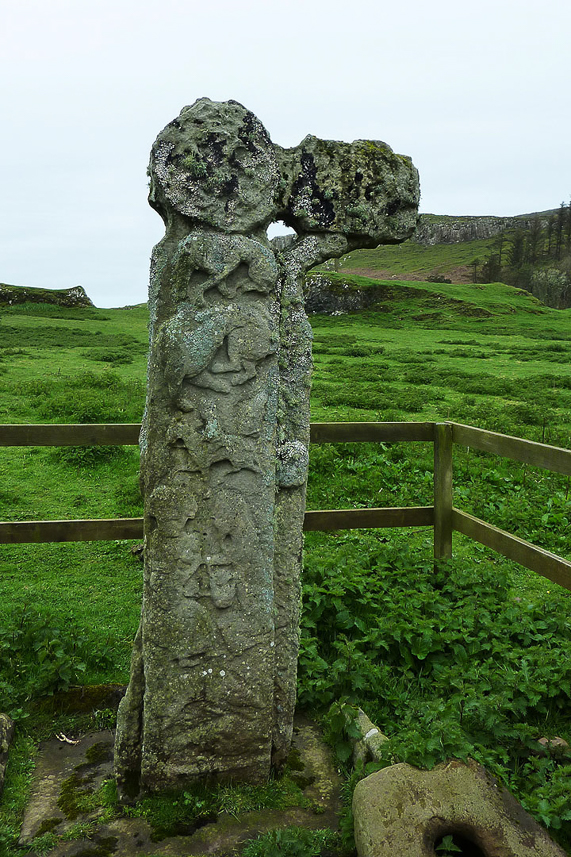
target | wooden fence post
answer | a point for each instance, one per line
(442, 491)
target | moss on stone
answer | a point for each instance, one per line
(76, 797)
(48, 825)
(102, 848)
(99, 752)
(175, 813)
(294, 761)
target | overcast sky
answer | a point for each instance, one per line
(476, 93)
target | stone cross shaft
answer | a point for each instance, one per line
(224, 444)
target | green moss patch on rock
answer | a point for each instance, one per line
(101, 848)
(76, 796)
(48, 825)
(102, 751)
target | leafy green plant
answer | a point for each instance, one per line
(446, 847)
(445, 661)
(182, 812)
(543, 783)
(176, 814)
(104, 718)
(290, 842)
(39, 657)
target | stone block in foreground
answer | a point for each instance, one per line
(404, 811)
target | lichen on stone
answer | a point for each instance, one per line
(226, 432)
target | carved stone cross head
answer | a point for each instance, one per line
(216, 167)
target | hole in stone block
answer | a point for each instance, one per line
(278, 229)
(454, 844)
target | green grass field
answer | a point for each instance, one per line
(417, 260)
(414, 261)
(489, 356)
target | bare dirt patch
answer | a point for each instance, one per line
(458, 274)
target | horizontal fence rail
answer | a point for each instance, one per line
(528, 451)
(112, 434)
(90, 530)
(442, 516)
(537, 559)
(370, 432)
(102, 529)
(354, 519)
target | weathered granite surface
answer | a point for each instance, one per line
(403, 810)
(226, 432)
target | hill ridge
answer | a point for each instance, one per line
(450, 229)
(73, 297)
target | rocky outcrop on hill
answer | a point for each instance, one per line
(75, 297)
(335, 296)
(443, 229)
(447, 229)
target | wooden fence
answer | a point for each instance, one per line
(442, 516)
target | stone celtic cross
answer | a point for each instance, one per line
(224, 444)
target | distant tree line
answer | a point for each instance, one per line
(532, 258)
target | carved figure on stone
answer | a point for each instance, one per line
(224, 444)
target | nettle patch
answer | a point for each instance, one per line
(41, 655)
(447, 662)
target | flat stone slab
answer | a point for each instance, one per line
(58, 762)
(87, 764)
(404, 811)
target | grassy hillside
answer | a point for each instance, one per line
(73, 297)
(493, 307)
(411, 261)
(487, 355)
(530, 251)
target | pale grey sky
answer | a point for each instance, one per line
(476, 93)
